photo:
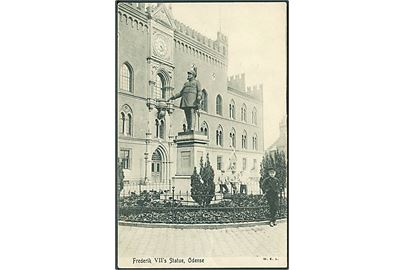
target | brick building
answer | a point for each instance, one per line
(154, 54)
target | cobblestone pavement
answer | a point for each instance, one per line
(260, 241)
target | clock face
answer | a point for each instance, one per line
(160, 46)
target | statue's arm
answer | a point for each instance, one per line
(176, 96)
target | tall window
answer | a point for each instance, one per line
(219, 163)
(159, 128)
(129, 124)
(232, 109)
(243, 113)
(254, 116)
(126, 121)
(254, 142)
(160, 89)
(125, 157)
(219, 136)
(244, 164)
(204, 128)
(122, 123)
(232, 136)
(244, 140)
(204, 101)
(219, 105)
(126, 78)
(156, 128)
(162, 129)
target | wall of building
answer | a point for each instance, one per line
(210, 57)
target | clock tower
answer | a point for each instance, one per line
(160, 57)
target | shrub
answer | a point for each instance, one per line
(202, 184)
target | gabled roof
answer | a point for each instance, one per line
(163, 14)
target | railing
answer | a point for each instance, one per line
(137, 188)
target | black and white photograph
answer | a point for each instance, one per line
(202, 135)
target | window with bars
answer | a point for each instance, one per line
(126, 78)
(160, 87)
(219, 162)
(125, 158)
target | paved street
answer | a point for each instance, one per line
(259, 245)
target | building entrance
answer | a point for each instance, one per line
(156, 167)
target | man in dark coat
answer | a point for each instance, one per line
(271, 187)
(190, 97)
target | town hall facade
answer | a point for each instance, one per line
(155, 51)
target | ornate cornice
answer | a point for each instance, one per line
(207, 50)
(125, 7)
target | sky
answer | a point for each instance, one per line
(256, 46)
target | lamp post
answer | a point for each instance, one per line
(146, 156)
(170, 160)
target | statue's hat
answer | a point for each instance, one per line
(193, 70)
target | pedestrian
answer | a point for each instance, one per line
(243, 184)
(271, 188)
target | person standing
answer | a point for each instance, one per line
(191, 95)
(243, 184)
(271, 188)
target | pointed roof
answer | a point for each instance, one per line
(162, 14)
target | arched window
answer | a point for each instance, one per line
(122, 123)
(162, 129)
(219, 104)
(160, 88)
(157, 128)
(204, 100)
(232, 136)
(232, 109)
(204, 129)
(219, 137)
(126, 121)
(244, 140)
(126, 78)
(254, 142)
(129, 124)
(243, 113)
(254, 116)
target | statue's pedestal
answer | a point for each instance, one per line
(191, 146)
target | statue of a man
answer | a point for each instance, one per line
(190, 97)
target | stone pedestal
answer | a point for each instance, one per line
(191, 146)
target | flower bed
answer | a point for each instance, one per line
(239, 208)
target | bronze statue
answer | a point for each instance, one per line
(190, 97)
